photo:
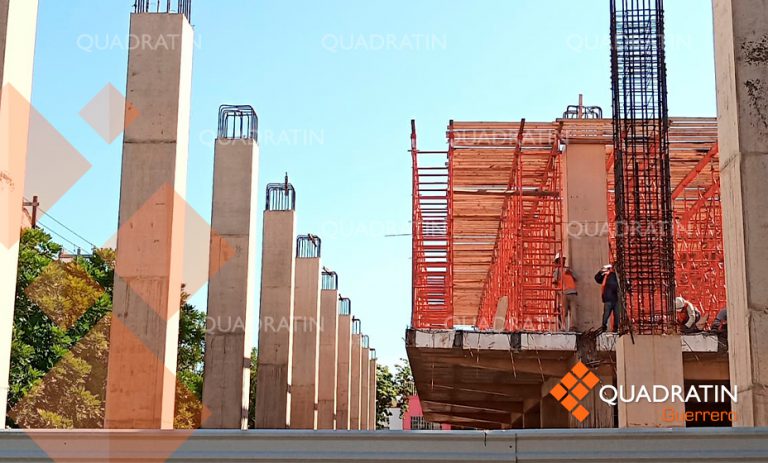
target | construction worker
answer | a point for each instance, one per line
(720, 325)
(607, 278)
(568, 292)
(688, 316)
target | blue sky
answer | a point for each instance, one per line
(335, 84)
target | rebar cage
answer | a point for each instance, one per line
(330, 280)
(164, 6)
(238, 122)
(308, 246)
(281, 197)
(373, 354)
(365, 341)
(645, 261)
(345, 306)
(357, 326)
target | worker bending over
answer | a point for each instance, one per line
(688, 316)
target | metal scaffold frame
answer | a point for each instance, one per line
(431, 231)
(644, 231)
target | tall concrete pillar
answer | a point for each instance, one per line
(18, 25)
(344, 374)
(278, 273)
(552, 414)
(231, 285)
(354, 378)
(306, 329)
(145, 319)
(329, 350)
(365, 383)
(649, 361)
(372, 392)
(741, 28)
(585, 224)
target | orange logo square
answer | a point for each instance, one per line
(573, 388)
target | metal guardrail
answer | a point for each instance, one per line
(204, 446)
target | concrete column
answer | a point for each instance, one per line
(306, 343)
(231, 286)
(329, 349)
(600, 413)
(354, 383)
(278, 273)
(585, 223)
(649, 361)
(741, 28)
(145, 320)
(372, 395)
(343, 375)
(18, 24)
(552, 414)
(365, 385)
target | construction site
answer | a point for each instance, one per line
(589, 287)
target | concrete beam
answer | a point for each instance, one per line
(278, 274)
(344, 373)
(741, 28)
(231, 285)
(306, 344)
(18, 25)
(141, 380)
(328, 362)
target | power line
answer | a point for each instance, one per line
(48, 215)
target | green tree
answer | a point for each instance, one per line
(404, 385)
(252, 389)
(386, 395)
(189, 366)
(58, 359)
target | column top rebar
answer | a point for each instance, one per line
(357, 326)
(365, 341)
(345, 306)
(281, 196)
(308, 246)
(330, 280)
(238, 122)
(164, 6)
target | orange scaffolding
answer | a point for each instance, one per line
(487, 221)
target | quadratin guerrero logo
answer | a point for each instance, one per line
(573, 388)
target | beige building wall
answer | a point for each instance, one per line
(231, 285)
(18, 25)
(278, 273)
(741, 28)
(145, 320)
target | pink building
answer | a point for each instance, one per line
(413, 418)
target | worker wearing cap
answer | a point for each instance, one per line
(606, 277)
(688, 316)
(568, 293)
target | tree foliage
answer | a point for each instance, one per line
(60, 342)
